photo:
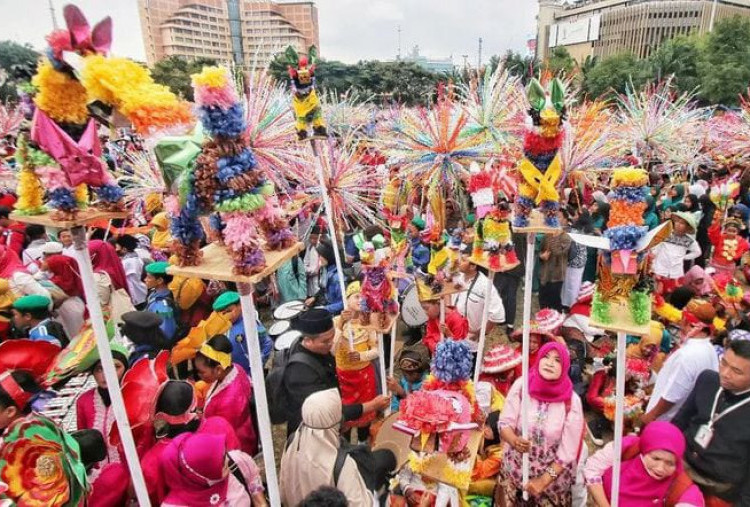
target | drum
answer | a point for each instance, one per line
(288, 310)
(278, 328)
(285, 341)
(411, 309)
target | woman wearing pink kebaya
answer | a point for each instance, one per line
(229, 390)
(555, 420)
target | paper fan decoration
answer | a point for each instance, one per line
(140, 385)
(353, 187)
(430, 145)
(138, 175)
(591, 141)
(496, 108)
(270, 127)
(41, 464)
(348, 112)
(10, 120)
(661, 125)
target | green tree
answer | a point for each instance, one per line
(401, 81)
(725, 66)
(614, 73)
(584, 69)
(522, 66)
(18, 63)
(681, 58)
(559, 61)
(175, 72)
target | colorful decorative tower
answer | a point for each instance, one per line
(227, 183)
(540, 168)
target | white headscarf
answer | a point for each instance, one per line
(310, 457)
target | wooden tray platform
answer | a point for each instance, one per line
(216, 264)
(84, 217)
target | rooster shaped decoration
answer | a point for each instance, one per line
(540, 167)
(306, 105)
(77, 84)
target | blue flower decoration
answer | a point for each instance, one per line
(452, 361)
(109, 193)
(223, 122)
(625, 237)
(62, 199)
(229, 167)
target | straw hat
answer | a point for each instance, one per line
(501, 358)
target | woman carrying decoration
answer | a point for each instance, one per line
(555, 431)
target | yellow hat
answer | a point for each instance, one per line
(353, 288)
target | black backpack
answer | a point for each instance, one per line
(277, 393)
(362, 457)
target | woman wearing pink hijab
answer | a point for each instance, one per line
(651, 472)
(199, 471)
(19, 279)
(698, 281)
(555, 429)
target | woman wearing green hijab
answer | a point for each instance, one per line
(674, 198)
(650, 216)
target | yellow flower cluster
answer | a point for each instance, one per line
(129, 87)
(60, 96)
(629, 177)
(30, 192)
(82, 195)
(668, 312)
(211, 77)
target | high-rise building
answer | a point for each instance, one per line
(607, 27)
(246, 32)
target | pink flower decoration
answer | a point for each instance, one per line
(224, 97)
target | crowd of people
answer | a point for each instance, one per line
(688, 380)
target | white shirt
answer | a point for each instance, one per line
(312, 270)
(470, 304)
(677, 377)
(133, 266)
(69, 251)
(669, 257)
(32, 254)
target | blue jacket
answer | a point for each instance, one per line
(161, 303)
(420, 254)
(41, 333)
(240, 355)
(334, 301)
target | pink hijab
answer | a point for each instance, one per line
(10, 263)
(193, 466)
(637, 487)
(551, 391)
(697, 273)
(104, 259)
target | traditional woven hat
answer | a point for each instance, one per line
(501, 358)
(688, 218)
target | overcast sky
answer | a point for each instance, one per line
(350, 30)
